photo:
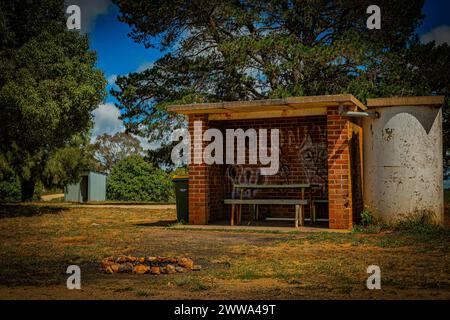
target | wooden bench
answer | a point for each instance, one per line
(237, 203)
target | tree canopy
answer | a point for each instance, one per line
(110, 149)
(48, 87)
(252, 49)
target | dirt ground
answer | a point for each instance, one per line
(39, 241)
(50, 197)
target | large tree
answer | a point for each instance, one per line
(110, 149)
(48, 87)
(254, 49)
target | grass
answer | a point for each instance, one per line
(175, 226)
(126, 289)
(131, 203)
(38, 242)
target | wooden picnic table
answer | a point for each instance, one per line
(299, 203)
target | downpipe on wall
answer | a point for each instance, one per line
(360, 114)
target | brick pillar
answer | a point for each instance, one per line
(339, 174)
(198, 178)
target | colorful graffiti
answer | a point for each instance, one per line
(301, 160)
(313, 157)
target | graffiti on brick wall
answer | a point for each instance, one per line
(313, 159)
(297, 150)
(240, 174)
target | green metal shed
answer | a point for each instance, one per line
(91, 187)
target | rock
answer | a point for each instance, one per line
(109, 270)
(168, 259)
(180, 269)
(141, 269)
(197, 267)
(122, 259)
(126, 267)
(107, 262)
(155, 270)
(186, 263)
(115, 267)
(170, 269)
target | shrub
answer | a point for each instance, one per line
(10, 189)
(368, 223)
(134, 179)
(366, 217)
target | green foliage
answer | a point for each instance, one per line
(419, 224)
(368, 223)
(181, 171)
(64, 164)
(10, 189)
(367, 229)
(367, 217)
(254, 49)
(48, 87)
(161, 157)
(134, 179)
(419, 228)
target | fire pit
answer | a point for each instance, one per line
(151, 265)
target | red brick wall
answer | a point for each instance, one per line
(313, 149)
(198, 180)
(339, 175)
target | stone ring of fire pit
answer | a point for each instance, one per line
(152, 265)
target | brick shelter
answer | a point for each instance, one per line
(319, 145)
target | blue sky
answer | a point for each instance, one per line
(119, 55)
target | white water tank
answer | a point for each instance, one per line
(403, 163)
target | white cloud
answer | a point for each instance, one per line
(90, 10)
(106, 120)
(439, 34)
(147, 145)
(112, 79)
(145, 66)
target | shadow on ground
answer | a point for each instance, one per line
(19, 210)
(159, 223)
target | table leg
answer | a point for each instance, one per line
(240, 207)
(302, 217)
(313, 212)
(239, 214)
(233, 207)
(311, 206)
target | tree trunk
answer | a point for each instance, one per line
(27, 189)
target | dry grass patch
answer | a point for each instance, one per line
(38, 242)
